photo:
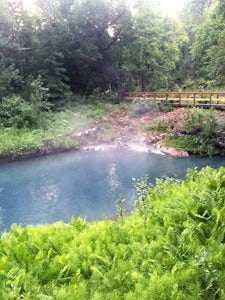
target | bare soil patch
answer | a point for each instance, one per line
(120, 130)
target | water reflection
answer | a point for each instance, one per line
(83, 184)
(113, 180)
(43, 200)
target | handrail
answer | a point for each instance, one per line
(203, 99)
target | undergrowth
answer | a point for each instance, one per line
(193, 145)
(59, 131)
(142, 107)
(175, 251)
(157, 127)
(203, 132)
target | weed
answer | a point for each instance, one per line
(202, 133)
(158, 127)
(120, 208)
(142, 187)
(141, 107)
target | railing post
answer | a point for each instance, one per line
(119, 98)
(194, 98)
(180, 99)
(210, 99)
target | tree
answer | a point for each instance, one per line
(97, 27)
(47, 39)
(210, 42)
(155, 48)
(9, 75)
(195, 16)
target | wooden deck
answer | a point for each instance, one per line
(179, 99)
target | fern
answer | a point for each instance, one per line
(178, 254)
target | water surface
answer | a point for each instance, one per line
(86, 184)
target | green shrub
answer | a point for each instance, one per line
(158, 126)
(165, 107)
(200, 121)
(191, 144)
(29, 112)
(16, 112)
(141, 107)
(202, 133)
(38, 94)
(220, 133)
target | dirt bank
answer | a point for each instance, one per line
(120, 130)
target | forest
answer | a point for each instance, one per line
(63, 53)
(64, 47)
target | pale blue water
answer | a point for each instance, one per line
(86, 184)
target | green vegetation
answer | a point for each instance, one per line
(119, 48)
(142, 107)
(174, 251)
(62, 49)
(172, 246)
(191, 144)
(203, 132)
(158, 127)
(56, 131)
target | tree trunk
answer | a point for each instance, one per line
(143, 82)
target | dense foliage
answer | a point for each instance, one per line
(85, 45)
(202, 132)
(174, 251)
(58, 131)
(94, 46)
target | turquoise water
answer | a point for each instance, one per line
(86, 184)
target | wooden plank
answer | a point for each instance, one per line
(182, 99)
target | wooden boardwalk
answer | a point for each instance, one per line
(179, 99)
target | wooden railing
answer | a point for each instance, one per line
(180, 99)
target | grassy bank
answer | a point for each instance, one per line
(171, 247)
(197, 131)
(58, 132)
